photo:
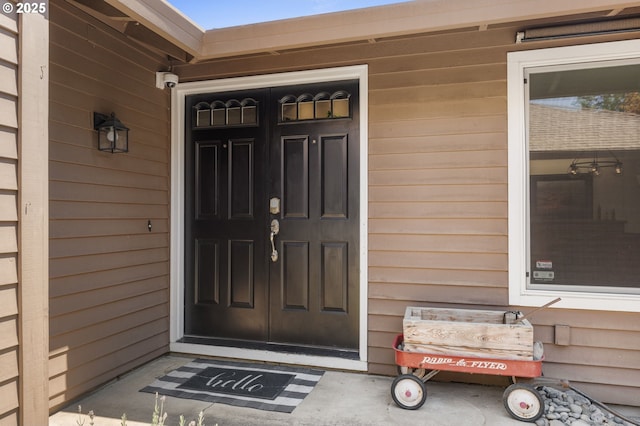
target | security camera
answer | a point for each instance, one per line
(166, 79)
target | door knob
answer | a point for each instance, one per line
(275, 230)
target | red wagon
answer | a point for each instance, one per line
(521, 400)
(469, 341)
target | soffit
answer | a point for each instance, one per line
(418, 16)
(155, 25)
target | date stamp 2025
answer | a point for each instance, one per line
(24, 7)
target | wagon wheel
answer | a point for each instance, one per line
(409, 392)
(523, 402)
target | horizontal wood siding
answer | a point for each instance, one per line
(438, 192)
(437, 180)
(109, 275)
(9, 338)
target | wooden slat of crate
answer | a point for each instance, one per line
(465, 332)
(454, 315)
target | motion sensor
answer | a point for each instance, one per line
(166, 79)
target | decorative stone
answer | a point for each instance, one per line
(553, 393)
(571, 409)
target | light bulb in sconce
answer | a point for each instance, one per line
(112, 135)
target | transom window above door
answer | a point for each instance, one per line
(574, 181)
(226, 113)
(320, 106)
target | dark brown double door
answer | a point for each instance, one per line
(244, 181)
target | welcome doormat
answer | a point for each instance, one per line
(260, 386)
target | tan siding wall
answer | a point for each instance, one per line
(438, 194)
(9, 371)
(108, 274)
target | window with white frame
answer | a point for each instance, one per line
(574, 176)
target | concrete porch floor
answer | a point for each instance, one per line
(340, 398)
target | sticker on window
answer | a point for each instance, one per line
(543, 275)
(544, 264)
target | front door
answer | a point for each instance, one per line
(272, 216)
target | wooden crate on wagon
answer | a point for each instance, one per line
(466, 333)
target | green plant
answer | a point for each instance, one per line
(200, 421)
(158, 418)
(81, 419)
(159, 415)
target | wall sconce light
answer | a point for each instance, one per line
(113, 136)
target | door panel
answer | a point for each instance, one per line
(294, 284)
(207, 178)
(207, 284)
(241, 267)
(295, 172)
(241, 184)
(335, 185)
(335, 277)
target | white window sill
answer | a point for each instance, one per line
(597, 301)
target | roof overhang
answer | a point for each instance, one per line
(417, 16)
(164, 20)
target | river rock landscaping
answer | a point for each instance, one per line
(569, 408)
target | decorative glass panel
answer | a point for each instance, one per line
(203, 114)
(322, 106)
(305, 110)
(340, 108)
(203, 118)
(233, 116)
(249, 115)
(219, 117)
(323, 109)
(218, 113)
(289, 112)
(230, 113)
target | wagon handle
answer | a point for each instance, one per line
(522, 318)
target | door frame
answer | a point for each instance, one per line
(178, 95)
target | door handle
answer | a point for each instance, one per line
(275, 230)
